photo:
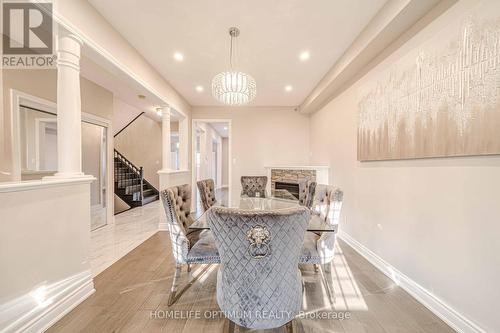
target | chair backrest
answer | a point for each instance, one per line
(321, 200)
(177, 204)
(259, 253)
(306, 193)
(206, 188)
(326, 243)
(251, 185)
(335, 198)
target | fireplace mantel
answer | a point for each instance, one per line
(298, 167)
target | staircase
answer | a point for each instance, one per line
(130, 184)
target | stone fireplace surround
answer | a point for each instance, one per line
(297, 174)
(291, 176)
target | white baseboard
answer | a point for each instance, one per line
(454, 319)
(58, 299)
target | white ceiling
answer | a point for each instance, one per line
(273, 34)
(97, 69)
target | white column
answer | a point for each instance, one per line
(165, 138)
(184, 144)
(69, 109)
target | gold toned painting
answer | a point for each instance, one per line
(441, 100)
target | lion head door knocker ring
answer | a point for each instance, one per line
(259, 238)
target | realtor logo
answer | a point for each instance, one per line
(27, 28)
(27, 34)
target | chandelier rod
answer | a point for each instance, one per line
(231, 53)
(233, 32)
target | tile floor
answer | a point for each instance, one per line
(129, 230)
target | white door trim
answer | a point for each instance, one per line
(17, 98)
(193, 152)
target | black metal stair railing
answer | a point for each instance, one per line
(130, 176)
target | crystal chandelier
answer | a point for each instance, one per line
(233, 87)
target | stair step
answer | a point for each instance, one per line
(149, 192)
(149, 199)
(123, 183)
(126, 176)
(128, 184)
(132, 189)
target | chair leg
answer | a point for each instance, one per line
(327, 267)
(326, 284)
(316, 268)
(174, 295)
(175, 284)
(189, 268)
(289, 327)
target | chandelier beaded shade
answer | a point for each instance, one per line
(233, 87)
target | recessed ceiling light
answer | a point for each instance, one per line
(288, 88)
(199, 88)
(304, 55)
(225, 128)
(178, 56)
(159, 111)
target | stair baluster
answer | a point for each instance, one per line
(141, 172)
(130, 184)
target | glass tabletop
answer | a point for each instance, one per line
(276, 200)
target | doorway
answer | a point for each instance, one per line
(35, 150)
(211, 144)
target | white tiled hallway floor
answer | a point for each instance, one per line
(129, 230)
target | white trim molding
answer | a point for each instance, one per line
(453, 318)
(39, 309)
(17, 98)
(229, 154)
(43, 183)
(169, 171)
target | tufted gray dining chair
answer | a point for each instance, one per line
(188, 246)
(306, 193)
(259, 253)
(321, 200)
(206, 189)
(253, 186)
(319, 248)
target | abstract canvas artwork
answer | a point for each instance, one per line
(440, 100)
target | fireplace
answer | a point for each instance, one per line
(292, 188)
(289, 177)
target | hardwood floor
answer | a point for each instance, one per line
(132, 296)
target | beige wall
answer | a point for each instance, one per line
(123, 114)
(44, 246)
(42, 83)
(140, 143)
(435, 220)
(174, 126)
(252, 131)
(225, 161)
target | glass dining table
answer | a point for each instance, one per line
(275, 200)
